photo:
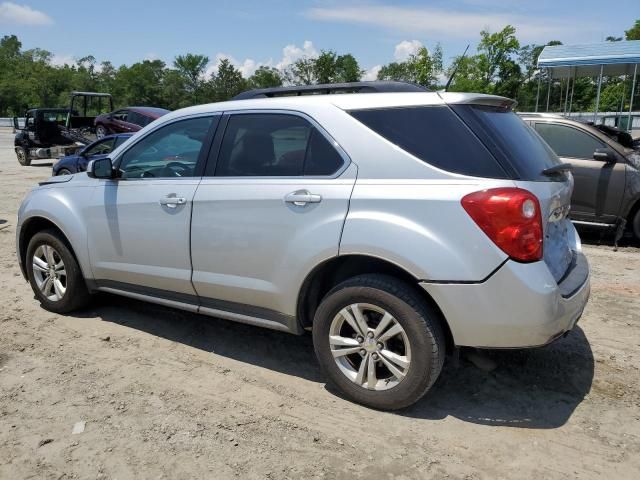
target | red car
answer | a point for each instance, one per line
(126, 120)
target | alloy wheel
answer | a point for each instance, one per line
(370, 346)
(49, 272)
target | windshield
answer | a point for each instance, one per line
(511, 140)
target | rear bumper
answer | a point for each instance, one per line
(520, 305)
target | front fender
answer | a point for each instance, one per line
(63, 208)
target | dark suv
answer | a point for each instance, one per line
(127, 120)
(606, 174)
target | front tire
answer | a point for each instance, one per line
(54, 273)
(63, 171)
(23, 156)
(378, 341)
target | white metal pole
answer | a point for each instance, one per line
(548, 89)
(566, 96)
(560, 97)
(633, 91)
(595, 114)
(538, 94)
(573, 87)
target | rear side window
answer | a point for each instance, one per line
(274, 145)
(436, 136)
(568, 141)
(514, 143)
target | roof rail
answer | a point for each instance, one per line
(352, 87)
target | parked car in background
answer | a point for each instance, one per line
(394, 226)
(98, 149)
(606, 174)
(126, 120)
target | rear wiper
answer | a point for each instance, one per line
(561, 167)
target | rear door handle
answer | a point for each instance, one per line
(172, 201)
(301, 197)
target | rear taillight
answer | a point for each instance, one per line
(511, 218)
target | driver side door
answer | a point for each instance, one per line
(139, 223)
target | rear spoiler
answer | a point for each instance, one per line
(479, 99)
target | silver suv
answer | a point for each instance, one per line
(394, 226)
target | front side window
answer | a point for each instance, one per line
(100, 148)
(136, 119)
(275, 145)
(120, 115)
(568, 141)
(171, 151)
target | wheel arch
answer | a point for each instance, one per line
(337, 269)
(37, 223)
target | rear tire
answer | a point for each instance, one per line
(415, 366)
(635, 225)
(101, 131)
(54, 273)
(23, 156)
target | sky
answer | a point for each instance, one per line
(277, 32)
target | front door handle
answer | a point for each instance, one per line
(301, 197)
(172, 201)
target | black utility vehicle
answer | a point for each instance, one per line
(57, 132)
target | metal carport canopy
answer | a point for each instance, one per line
(587, 60)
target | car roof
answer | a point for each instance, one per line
(347, 101)
(154, 112)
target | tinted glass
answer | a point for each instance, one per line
(515, 144)
(120, 141)
(274, 145)
(568, 141)
(171, 151)
(322, 157)
(100, 148)
(136, 119)
(436, 136)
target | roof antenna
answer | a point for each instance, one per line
(455, 70)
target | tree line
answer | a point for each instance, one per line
(501, 65)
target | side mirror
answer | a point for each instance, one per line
(101, 168)
(16, 124)
(604, 155)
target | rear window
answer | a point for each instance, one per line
(516, 145)
(435, 135)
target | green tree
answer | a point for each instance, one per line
(422, 68)
(496, 53)
(192, 68)
(634, 32)
(227, 82)
(265, 77)
(302, 72)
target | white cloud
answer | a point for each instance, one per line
(248, 66)
(291, 53)
(60, 60)
(14, 14)
(372, 73)
(441, 24)
(406, 48)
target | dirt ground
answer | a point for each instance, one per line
(172, 395)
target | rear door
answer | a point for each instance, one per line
(138, 224)
(599, 186)
(270, 209)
